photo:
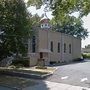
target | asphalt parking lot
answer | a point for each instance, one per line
(77, 74)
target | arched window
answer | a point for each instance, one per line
(58, 47)
(51, 46)
(70, 48)
(33, 44)
(64, 47)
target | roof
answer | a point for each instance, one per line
(44, 21)
(45, 51)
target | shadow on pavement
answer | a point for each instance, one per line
(67, 63)
(41, 86)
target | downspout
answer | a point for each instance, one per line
(61, 47)
(72, 47)
(48, 46)
(29, 50)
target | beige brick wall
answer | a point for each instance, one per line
(67, 40)
(56, 38)
(33, 59)
(76, 48)
(44, 39)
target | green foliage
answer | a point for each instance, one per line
(72, 26)
(35, 19)
(86, 55)
(88, 46)
(21, 62)
(63, 8)
(37, 3)
(41, 67)
(15, 24)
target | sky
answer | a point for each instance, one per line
(86, 20)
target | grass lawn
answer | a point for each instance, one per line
(16, 82)
(30, 70)
(47, 70)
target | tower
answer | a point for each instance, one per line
(45, 22)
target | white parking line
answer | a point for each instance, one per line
(84, 79)
(66, 77)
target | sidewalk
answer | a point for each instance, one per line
(47, 85)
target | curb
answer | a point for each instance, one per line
(24, 75)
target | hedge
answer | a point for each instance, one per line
(86, 55)
(21, 62)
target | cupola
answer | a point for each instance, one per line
(45, 22)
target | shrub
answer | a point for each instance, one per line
(87, 55)
(41, 67)
(78, 59)
(21, 63)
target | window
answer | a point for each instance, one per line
(41, 25)
(51, 46)
(41, 55)
(64, 47)
(33, 44)
(70, 48)
(45, 24)
(58, 47)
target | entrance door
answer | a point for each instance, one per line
(41, 55)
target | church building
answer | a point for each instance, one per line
(52, 46)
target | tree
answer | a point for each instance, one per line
(37, 3)
(73, 26)
(62, 10)
(35, 19)
(15, 25)
(64, 7)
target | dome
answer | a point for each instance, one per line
(44, 21)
